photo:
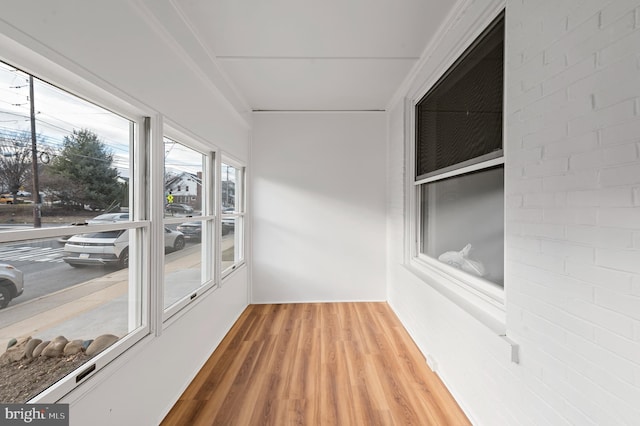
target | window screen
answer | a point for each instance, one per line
(459, 121)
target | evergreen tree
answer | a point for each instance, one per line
(87, 166)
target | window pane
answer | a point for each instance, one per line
(230, 176)
(76, 286)
(82, 155)
(183, 261)
(183, 171)
(463, 222)
(461, 117)
(229, 246)
(184, 192)
(231, 224)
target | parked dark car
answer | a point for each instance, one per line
(178, 208)
(191, 230)
(11, 284)
(228, 225)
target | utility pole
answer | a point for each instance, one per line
(34, 161)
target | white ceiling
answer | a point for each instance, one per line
(309, 54)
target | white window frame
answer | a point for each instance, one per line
(210, 277)
(483, 299)
(139, 271)
(239, 215)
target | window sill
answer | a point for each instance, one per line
(188, 300)
(231, 269)
(69, 389)
(486, 307)
(174, 316)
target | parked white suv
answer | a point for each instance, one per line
(11, 284)
(110, 247)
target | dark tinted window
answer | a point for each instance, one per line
(104, 234)
(460, 118)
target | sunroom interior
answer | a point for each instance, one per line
(316, 114)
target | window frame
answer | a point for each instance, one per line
(147, 157)
(138, 274)
(483, 299)
(239, 214)
(210, 278)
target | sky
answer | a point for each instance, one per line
(58, 113)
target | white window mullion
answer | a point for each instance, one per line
(156, 252)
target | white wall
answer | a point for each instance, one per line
(118, 47)
(318, 207)
(572, 223)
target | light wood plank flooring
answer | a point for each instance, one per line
(316, 364)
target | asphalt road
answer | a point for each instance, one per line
(44, 270)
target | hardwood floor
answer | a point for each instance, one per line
(316, 364)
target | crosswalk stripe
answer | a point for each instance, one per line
(37, 254)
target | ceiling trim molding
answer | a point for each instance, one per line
(210, 54)
(232, 99)
(317, 111)
(322, 58)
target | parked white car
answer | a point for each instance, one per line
(110, 247)
(11, 284)
(109, 218)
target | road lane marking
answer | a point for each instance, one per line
(36, 254)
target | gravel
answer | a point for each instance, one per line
(22, 380)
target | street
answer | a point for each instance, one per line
(44, 270)
(82, 301)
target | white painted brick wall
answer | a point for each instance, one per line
(570, 146)
(623, 217)
(595, 236)
(572, 243)
(612, 279)
(576, 286)
(613, 197)
(623, 175)
(621, 133)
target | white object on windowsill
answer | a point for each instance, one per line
(460, 259)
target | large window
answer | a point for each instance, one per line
(232, 222)
(107, 229)
(188, 224)
(459, 174)
(73, 236)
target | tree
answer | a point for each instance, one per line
(88, 177)
(228, 192)
(15, 161)
(60, 189)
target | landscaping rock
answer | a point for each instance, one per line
(30, 347)
(101, 343)
(55, 347)
(38, 350)
(86, 344)
(15, 352)
(12, 342)
(73, 347)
